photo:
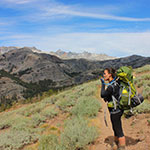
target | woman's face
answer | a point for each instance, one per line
(107, 75)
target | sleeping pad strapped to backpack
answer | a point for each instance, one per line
(128, 96)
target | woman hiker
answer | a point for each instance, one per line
(115, 113)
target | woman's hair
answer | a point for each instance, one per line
(112, 71)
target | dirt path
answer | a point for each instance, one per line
(136, 130)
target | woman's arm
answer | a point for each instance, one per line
(106, 92)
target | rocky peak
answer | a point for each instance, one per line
(85, 55)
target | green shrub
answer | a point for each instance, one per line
(142, 77)
(143, 108)
(49, 100)
(144, 82)
(5, 124)
(86, 106)
(49, 142)
(87, 89)
(73, 96)
(90, 90)
(64, 104)
(143, 69)
(146, 92)
(7, 119)
(20, 123)
(37, 119)
(32, 109)
(139, 83)
(77, 134)
(49, 112)
(145, 77)
(14, 139)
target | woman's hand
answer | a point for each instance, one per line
(102, 80)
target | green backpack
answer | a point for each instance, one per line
(128, 97)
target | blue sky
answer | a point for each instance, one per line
(114, 27)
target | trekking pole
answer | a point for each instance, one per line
(105, 118)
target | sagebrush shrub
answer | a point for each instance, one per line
(77, 134)
(49, 142)
(37, 119)
(49, 112)
(143, 108)
(86, 106)
(143, 69)
(32, 109)
(15, 139)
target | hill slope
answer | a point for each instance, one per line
(74, 116)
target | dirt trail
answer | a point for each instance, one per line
(136, 130)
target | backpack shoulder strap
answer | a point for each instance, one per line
(115, 101)
(113, 84)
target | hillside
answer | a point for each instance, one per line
(73, 119)
(33, 73)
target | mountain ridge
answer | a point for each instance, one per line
(62, 54)
(33, 72)
(86, 55)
